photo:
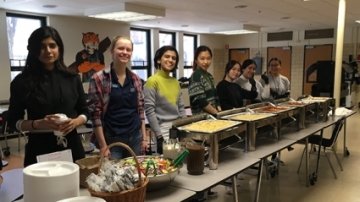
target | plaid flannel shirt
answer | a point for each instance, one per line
(99, 94)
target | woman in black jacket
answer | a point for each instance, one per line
(230, 94)
(44, 90)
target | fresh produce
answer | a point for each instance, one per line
(151, 165)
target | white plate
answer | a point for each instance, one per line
(83, 199)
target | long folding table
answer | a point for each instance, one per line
(232, 161)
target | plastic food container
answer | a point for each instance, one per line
(51, 181)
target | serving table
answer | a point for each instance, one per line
(324, 104)
(304, 134)
(306, 109)
(232, 162)
(12, 186)
(169, 193)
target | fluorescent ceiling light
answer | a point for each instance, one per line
(233, 32)
(238, 29)
(127, 12)
(357, 21)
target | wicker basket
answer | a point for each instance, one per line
(135, 195)
(87, 166)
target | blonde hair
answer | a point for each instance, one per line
(117, 38)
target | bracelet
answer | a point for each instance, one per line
(19, 124)
(32, 124)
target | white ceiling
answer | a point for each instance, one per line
(203, 16)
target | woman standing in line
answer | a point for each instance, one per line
(202, 91)
(279, 84)
(163, 102)
(229, 92)
(44, 89)
(117, 103)
(253, 90)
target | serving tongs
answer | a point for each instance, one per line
(230, 112)
(150, 163)
(180, 159)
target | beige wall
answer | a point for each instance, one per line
(4, 59)
(217, 45)
(71, 28)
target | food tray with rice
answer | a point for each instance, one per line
(253, 120)
(247, 116)
(217, 133)
(209, 126)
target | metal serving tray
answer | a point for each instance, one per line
(284, 113)
(324, 105)
(248, 116)
(200, 126)
(306, 110)
(252, 125)
(212, 137)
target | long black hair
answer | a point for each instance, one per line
(33, 65)
(247, 63)
(34, 71)
(230, 65)
(199, 50)
(161, 51)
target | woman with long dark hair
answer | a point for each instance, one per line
(44, 90)
(229, 92)
(202, 91)
(253, 91)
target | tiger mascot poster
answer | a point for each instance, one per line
(91, 58)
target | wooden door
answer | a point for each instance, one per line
(312, 54)
(239, 54)
(284, 54)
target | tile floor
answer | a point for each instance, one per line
(288, 186)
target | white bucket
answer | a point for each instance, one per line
(51, 181)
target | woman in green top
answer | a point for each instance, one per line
(202, 90)
(163, 102)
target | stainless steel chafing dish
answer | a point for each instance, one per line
(305, 109)
(324, 105)
(255, 121)
(212, 136)
(283, 112)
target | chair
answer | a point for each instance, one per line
(6, 132)
(327, 144)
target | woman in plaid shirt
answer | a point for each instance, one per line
(117, 103)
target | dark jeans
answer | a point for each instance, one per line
(133, 140)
